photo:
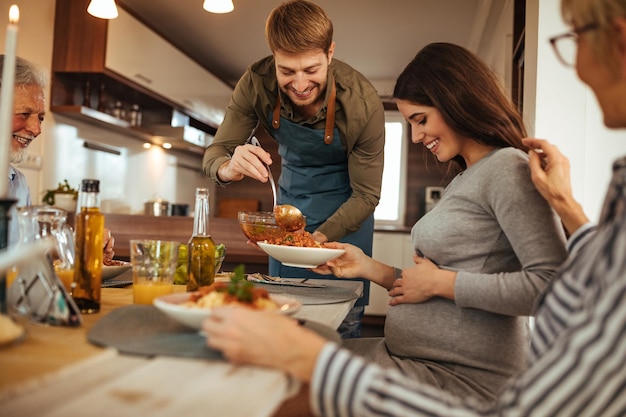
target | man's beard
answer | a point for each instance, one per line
(17, 155)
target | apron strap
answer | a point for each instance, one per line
(276, 114)
(330, 115)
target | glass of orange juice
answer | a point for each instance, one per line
(11, 275)
(154, 265)
(66, 275)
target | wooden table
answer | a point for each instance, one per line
(54, 371)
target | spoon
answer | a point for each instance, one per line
(287, 217)
(254, 141)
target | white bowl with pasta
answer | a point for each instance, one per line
(178, 307)
(300, 257)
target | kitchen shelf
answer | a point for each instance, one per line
(87, 75)
(106, 121)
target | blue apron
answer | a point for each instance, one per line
(315, 179)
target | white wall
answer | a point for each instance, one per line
(127, 180)
(563, 110)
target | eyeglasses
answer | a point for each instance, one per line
(566, 45)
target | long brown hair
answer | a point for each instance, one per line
(466, 92)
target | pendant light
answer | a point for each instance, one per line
(218, 6)
(104, 9)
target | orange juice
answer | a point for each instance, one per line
(66, 276)
(146, 292)
(11, 274)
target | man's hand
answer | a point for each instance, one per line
(247, 160)
(108, 247)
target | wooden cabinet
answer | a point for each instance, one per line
(97, 63)
(164, 69)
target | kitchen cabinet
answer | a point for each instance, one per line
(164, 70)
(97, 63)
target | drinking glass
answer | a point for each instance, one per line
(154, 264)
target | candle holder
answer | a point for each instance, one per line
(5, 216)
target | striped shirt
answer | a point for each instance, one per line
(577, 350)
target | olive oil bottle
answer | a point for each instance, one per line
(201, 248)
(89, 228)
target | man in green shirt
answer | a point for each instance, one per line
(329, 123)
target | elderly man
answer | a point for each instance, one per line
(29, 111)
(29, 105)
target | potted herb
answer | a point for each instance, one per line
(63, 197)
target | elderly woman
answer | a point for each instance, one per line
(575, 365)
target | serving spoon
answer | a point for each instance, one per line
(287, 217)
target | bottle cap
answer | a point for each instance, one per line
(90, 186)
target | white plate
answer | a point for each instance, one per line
(300, 257)
(110, 272)
(193, 317)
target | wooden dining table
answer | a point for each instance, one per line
(56, 371)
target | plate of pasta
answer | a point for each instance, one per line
(191, 308)
(300, 256)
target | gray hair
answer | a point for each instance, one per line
(579, 13)
(26, 73)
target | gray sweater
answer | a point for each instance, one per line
(493, 227)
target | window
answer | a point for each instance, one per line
(391, 208)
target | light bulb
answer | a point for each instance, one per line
(218, 6)
(104, 9)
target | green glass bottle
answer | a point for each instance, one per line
(201, 248)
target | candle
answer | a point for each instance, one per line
(6, 99)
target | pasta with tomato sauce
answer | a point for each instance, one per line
(301, 239)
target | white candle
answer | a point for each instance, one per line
(6, 99)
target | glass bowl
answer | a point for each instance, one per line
(259, 225)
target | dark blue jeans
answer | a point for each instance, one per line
(350, 328)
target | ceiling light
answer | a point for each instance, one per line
(104, 9)
(218, 6)
(167, 145)
(147, 145)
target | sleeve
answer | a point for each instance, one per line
(239, 120)
(581, 374)
(344, 384)
(365, 167)
(534, 233)
(580, 237)
(580, 338)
